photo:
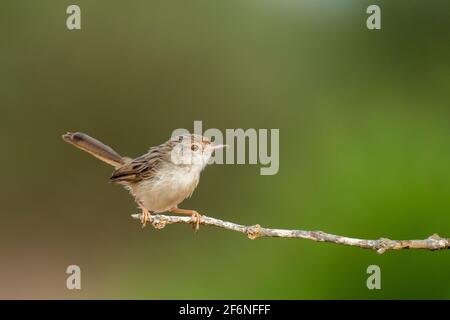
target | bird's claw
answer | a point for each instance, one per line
(196, 217)
(145, 217)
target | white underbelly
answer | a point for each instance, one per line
(166, 190)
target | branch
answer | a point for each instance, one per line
(434, 242)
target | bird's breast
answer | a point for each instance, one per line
(169, 187)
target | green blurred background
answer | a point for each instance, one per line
(364, 123)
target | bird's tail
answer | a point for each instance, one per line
(94, 147)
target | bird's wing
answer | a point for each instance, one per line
(142, 168)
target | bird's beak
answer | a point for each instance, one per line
(220, 146)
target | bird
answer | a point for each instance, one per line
(160, 179)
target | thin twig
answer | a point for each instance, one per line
(434, 242)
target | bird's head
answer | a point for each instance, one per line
(192, 150)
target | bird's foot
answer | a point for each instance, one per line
(196, 217)
(145, 217)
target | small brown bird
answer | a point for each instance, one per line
(160, 179)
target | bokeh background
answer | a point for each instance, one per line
(364, 123)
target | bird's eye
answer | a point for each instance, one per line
(194, 147)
